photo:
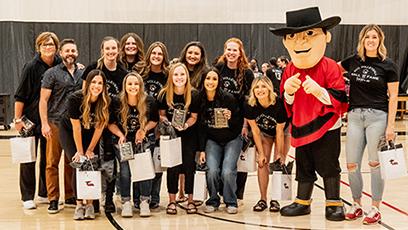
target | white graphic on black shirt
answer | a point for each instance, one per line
(92, 119)
(153, 88)
(365, 74)
(230, 85)
(112, 87)
(265, 122)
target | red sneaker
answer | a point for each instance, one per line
(373, 217)
(354, 212)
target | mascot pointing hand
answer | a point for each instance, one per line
(313, 88)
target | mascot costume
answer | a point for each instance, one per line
(313, 90)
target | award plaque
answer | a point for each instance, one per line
(179, 118)
(126, 151)
(28, 127)
(219, 119)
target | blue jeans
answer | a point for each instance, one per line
(227, 154)
(365, 127)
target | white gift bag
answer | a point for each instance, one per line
(392, 162)
(200, 186)
(141, 167)
(281, 186)
(247, 161)
(89, 186)
(157, 160)
(22, 149)
(170, 151)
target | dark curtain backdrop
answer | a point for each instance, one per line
(17, 42)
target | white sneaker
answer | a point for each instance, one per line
(42, 200)
(127, 210)
(232, 210)
(210, 209)
(79, 213)
(144, 209)
(29, 204)
(89, 212)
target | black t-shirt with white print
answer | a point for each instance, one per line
(368, 81)
(266, 118)
(154, 82)
(178, 103)
(114, 78)
(230, 83)
(133, 117)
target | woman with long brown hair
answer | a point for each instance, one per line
(82, 127)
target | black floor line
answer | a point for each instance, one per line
(113, 221)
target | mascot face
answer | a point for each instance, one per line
(306, 48)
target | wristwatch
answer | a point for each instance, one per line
(17, 120)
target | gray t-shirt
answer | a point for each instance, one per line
(62, 83)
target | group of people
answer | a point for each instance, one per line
(86, 112)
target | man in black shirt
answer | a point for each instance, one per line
(27, 97)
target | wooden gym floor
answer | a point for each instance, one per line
(394, 209)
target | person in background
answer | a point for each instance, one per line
(264, 67)
(373, 105)
(131, 50)
(26, 104)
(154, 73)
(58, 83)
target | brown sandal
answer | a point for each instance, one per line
(191, 208)
(260, 206)
(171, 208)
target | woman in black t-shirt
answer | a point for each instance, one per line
(266, 115)
(194, 57)
(81, 129)
(135, 116)
(131, 50)
(220, 143)
(178, 94)
(372, 108)
(154, 68)
(236, 78)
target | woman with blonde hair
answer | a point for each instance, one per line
(131, 50)
(236, 78)
(135, 115)
(178, 94)
(266, 114)
(114, 72)
(372, 108)
(82, 127)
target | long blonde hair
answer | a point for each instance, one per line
(271, 96)
(168, 89)
(102, 102)
(381, 50)
(100, 60)
(242, 64)
(141, 102)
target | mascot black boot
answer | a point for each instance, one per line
(334, 205)
(301, 206)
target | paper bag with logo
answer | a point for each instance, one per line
(170, 151)
(22, 149)
(141, 166)
(89, 186)
(157, 160)
(281, 186)
(200, 186)
(247, 161)
(392, 162)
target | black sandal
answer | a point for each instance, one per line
(275, 206)
(171, 208)
(191, 208)
(260, 206)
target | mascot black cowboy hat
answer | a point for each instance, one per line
(304, 19)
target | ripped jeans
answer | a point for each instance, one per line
(365, 127)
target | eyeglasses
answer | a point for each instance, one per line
(48, 44)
